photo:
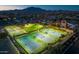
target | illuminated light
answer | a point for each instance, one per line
(38, 38)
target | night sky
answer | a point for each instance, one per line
(47, 7)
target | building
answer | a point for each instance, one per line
(63, 24)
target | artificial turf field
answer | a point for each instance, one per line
(37, 38)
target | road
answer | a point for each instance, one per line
(6, 47)
(74, 47)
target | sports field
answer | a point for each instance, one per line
(18, 30)
(14, 30)
(37, 38)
